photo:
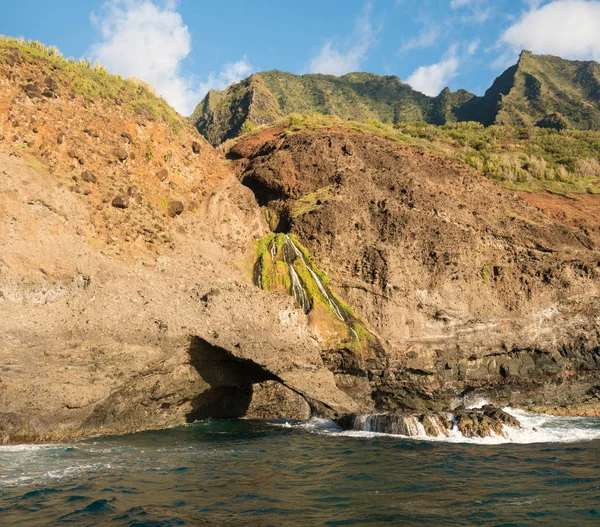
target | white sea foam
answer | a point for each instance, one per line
(535, 428)
(28, 448)
(51, 475)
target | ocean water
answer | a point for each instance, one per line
(281, 473)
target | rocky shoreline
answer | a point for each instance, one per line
(128, 274)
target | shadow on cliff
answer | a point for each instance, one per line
(230, 379)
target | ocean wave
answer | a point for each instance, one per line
(535, 428)
(52, 475)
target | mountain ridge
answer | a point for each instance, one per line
(539, 90)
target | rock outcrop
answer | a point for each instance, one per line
(121, 309)
(467, 287)
(487, 421)
(130, 255)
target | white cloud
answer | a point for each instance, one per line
(568, 28)
(455, 4)
(533, 4)
(427, 37)
(473, 46)
(149, 40)
(230, 73)
(430, 80)
(335, 62)
(480, 10)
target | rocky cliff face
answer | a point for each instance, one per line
(125, 289)
(541, 90)
(143, 284)
(467, 288)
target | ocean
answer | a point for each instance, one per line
(257, 473)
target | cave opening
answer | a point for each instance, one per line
(231, 381)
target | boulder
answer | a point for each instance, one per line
(51, 89)
(127, 136)
(196, 147)
(175, 208)
(121, 154)
(12, 427)
(437, 424)
(121, 201)
(484, 422)
(32, 90)
(163, 174)
(273, 400)
(88, 177)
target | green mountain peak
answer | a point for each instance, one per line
(539, 90)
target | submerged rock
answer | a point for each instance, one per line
(480, 422)
(484, 422)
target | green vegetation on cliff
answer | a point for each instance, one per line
(267, 96)
(327, 312)
(91, 81)
(540, 90)
(564, 162)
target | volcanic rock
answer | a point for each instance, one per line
(121, 201)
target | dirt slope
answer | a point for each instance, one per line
(125, 292)
(469, 288)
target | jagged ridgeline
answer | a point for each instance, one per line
(265, 97)
(284, 265)
(540, 90)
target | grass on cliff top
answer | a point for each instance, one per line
(92, 81)
(526, 159)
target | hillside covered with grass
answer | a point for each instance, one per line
(90, 80)
(540, 90)
(267, 96)
(522, 158)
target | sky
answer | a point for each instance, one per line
(186, 47)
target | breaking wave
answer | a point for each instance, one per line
(535, 428)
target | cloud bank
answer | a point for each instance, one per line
(568, 28)
(336, 59)
(432, 79)
(149, 40)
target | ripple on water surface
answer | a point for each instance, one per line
(252, 473)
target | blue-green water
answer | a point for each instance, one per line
(255, 473)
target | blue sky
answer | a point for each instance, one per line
(186, 47)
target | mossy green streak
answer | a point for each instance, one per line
(272, 273)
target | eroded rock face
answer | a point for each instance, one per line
(115, 315)
(468, 287)
(271, 399)
(131, 314)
